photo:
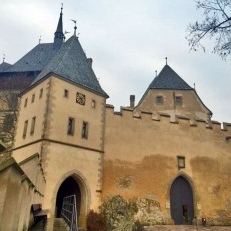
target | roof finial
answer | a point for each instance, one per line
(59, 36)
(4, 58)
(166, 58)
(194, 86)
(156, 72)
(40, 39)
(75, 26)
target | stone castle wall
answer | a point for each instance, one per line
(140, 159)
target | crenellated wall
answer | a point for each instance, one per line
(140, 159)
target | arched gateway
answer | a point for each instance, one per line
(181, 201)
(73, 185)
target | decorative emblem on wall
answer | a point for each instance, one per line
(80, 98)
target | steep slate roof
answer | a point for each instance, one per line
(4, 66)
(34, 60)
(71, 63)
(169, 79)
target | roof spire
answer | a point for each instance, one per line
(59, 36)
(75, 26)
(166, 58)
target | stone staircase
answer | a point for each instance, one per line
(56, 224)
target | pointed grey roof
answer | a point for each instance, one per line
(34, 60)
(169, 79)
(59, 36)
(4, 66)
(71, 63)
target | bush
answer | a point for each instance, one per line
(95, 222)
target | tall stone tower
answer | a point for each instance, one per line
(62, 118)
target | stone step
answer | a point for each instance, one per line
(56, 224)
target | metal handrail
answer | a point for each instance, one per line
(69, 212)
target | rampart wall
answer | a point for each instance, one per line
(141, 153)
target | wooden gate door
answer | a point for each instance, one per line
(181, 201)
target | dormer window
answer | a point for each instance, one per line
(159, 99)
(178, 100)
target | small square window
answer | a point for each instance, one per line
(65, 94)
(85, 130)
(41, 93)
(178, 100)
(32, 99)
(70, 126)
(159, 99)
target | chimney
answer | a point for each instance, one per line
(132, 101)
(90, 61)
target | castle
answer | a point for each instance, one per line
(70, 141)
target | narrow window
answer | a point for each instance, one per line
(41, 93)
(178, 100)
(70, 126)
(32, 99)
(181, 162)
(25, 128)
(159, 99)
(65, 94)
(85, 130)
(93, 103)
(32, 125)
(25, 103)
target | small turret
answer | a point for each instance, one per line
(59, 36)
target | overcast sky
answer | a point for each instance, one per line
(128, 41)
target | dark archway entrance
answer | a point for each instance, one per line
(67, 188)
(181, 201)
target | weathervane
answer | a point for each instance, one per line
(75, 26)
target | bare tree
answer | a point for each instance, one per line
(215, 25)
(8, 116)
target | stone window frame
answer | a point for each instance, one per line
(85, 130)
(159, 100)
(71, 126)
(65, 93)
(32, 128)
(178, 100)
(25, 129)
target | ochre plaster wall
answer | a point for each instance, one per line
(17, 194)
(140, 160)
(83, 165)
(192, 106)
